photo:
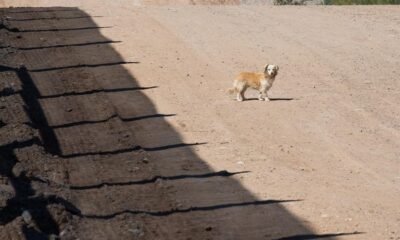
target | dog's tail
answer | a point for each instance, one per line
(231, 90)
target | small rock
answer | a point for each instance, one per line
(135, 169)
(208, 229)
(53, 237)
(159, 182)
(136, 230)
(63, 232)
(240, 162)
(18, 169)
(6, 192)
(26, 215)
(69, 109)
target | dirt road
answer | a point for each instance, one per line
(128, 132)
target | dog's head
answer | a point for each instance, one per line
(271, 70)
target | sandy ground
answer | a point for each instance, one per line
(331, 136)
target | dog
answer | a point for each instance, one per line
(261, 81)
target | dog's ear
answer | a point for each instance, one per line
(266, 67)
(277, 67)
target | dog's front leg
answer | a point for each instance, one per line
(266, 96)
(263, 94)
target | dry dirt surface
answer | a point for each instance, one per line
(115, 122)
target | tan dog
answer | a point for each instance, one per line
(261, 81)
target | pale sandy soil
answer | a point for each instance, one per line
(331, 138)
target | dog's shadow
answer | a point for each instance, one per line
(271, 99)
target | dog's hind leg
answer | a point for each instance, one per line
(240, 88)
(240, 96)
